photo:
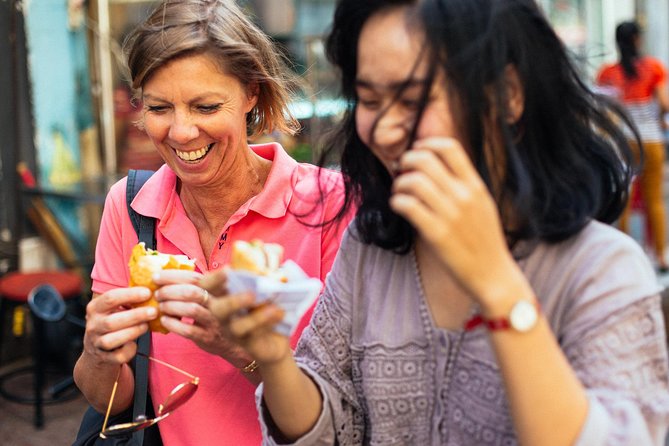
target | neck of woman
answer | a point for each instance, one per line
(211, 206)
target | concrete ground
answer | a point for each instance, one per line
(61, 420)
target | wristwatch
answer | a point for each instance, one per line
(523, 317)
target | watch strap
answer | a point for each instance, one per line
(495, 324)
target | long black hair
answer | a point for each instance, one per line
(627, 38)
(565, 160)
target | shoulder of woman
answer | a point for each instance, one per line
(599, 245)
(598, 261)
(116, 193)
(598, 272)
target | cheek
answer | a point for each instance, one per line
(155, 128)
(437, 121)
(364, 121)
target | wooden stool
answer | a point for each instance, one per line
(15, 289)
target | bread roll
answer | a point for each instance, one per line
(143, 264)
(256, 256)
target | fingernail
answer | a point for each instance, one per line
(151, 312)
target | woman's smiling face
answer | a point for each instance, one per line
(195, 114)
(390, 82)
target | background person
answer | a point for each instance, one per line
(480, 296)
(208, 78)
(640, 83)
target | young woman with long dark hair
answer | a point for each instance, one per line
(479, 296)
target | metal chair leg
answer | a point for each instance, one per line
(39, 360)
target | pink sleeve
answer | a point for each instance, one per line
(110, 270)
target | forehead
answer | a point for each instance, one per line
(179, 73)
(388, 49)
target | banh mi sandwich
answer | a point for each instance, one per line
(258, 257)
(259, 268)
(143, 264)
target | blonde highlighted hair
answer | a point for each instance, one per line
(219, 28)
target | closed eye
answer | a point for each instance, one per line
(155, 108)
(209, 108)
(370, 105)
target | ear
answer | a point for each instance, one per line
(252, 93)
(515, 94)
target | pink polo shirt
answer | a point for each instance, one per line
(223, 409)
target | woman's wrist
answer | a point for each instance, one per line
(277, 366)
(250, 367)
(498, 301)
(240, 360)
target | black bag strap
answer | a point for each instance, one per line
(145, 228)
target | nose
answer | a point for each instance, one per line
(182, 128)
(392, 128)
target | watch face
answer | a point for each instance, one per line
(523, 315)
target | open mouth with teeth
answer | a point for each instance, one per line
(194, 155)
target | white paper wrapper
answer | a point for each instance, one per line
(295, 296)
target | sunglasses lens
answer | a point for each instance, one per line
(181, 393)
(119, 430)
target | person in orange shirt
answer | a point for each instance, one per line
(640, 84)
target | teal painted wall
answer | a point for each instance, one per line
(61, 101)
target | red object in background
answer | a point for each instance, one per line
(637, 205)
(26, 175)
(636, 199)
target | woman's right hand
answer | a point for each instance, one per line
(113, 325)
(249, 325)
(291, 396)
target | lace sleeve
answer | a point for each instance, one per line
(324, 352)
(623, 364)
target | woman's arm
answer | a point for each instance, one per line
(441, 194)
(96, 380)
(109, 344)
(291, 397)
(112, 325)
(548, 403)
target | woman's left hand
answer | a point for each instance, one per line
(185, 308)
(442, 195)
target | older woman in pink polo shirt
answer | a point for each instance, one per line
(208, 78)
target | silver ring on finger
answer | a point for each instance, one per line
(205, 298)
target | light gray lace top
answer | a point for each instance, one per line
(380, 361)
